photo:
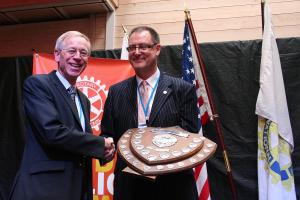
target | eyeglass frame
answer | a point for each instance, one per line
(81, 52)
(141, 47)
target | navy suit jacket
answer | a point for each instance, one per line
(174, 104)
(56, 162)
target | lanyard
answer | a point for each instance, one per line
(146, 109)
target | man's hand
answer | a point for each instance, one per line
(109, 149)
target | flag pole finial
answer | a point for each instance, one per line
(187, 14)
(124, 29)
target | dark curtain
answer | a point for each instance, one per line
(13, 73)
(233, 74)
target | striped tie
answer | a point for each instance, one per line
(144, 92)
(72, 91)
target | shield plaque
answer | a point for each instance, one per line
(154, 151)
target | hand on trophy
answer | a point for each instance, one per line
(109, 151)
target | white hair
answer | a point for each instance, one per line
(60, 41)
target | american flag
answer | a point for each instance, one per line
(192, 74)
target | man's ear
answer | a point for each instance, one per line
(57, 55)
(157, 47)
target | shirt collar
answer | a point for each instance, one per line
(151, 80)
(63, 80)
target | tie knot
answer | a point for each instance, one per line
(143, 87)
(144, 84)
(72, 90)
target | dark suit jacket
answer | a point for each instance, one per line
(56, 163)
(175, 103)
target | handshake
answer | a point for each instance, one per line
(109, 149)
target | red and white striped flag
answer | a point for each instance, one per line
(192, 74)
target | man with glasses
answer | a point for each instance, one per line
(59, 146)
(153, 99)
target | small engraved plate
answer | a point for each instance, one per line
(176, 153)
(129, 157)
(200, 155)
(152, 157)
(139, 147)
(123, 141)
(136, 162)
(209, 145)
(125, 152)
(182, 134)
(137, 141)
(186, 150)
(154, 130)
(181, 164)
(206, 150)
(159, 167)
(164, 155)
(197, 140)
(170, 166)
(145, 151)
(192, 145)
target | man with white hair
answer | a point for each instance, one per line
(57, 162)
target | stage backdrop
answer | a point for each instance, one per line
(94, 82)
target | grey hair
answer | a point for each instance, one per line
(60, 41)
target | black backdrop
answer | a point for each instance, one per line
(233, 73)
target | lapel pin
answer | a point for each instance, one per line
(165, 92)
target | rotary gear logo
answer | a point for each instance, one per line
(275, 156)
(97, 95)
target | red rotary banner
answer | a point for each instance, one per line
(94, 82)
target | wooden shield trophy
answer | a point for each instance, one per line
(154, 151)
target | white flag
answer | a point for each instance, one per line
(124, 52)
(275, 137)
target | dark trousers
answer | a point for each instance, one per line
(176, 186)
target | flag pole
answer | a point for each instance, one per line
(262, 5)
(214, 117)
(125, 31)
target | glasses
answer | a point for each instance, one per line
(72, 52)
(140, 47)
